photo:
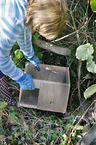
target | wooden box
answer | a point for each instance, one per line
(52, 85)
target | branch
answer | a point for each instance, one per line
(51, 47)
(78, 83)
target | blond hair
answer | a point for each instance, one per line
(48, 17)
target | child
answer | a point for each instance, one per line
(18, 18)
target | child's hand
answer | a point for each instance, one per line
(27, 84)
(34, 60)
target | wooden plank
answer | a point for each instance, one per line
(51, 47)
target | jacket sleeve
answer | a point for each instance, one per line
(9, 32)
(12, 14)
(25, 43)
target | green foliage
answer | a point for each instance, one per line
(90, 91)
(2, 131)
(73, 133)
(18, 54)
(93, 5)
(36, 35)
(94, 54)
(91, 66)
(25, 127)
(18, 57)
(38, 54)
(2, 105)
(84, 52)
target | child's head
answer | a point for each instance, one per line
(48, 17)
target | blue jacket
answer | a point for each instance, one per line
(12, 29)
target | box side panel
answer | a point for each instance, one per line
(53, 97)
(48, 73)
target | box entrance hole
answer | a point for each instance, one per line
(30, 97)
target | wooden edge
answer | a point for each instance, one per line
(35, 107)
(51, 67)
(51, 110)
(20, 94)
(20, 104)
(68, 76)
(37, 83)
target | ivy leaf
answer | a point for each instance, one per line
(94, 54)
(2, 105)
(83, 52)
(18, 54)
(65, 136)
(2, 137)
(91, 66)
(79, 127)
(36, 36)
(43, 138)
(90, 91)
(93, 5)
(2, 131)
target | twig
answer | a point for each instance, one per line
(64, 36)
(78, 83)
